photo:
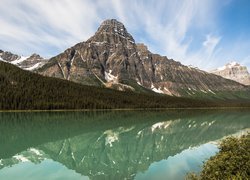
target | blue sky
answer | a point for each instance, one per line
(203, 33)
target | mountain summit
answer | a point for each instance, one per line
(234, 71)
(112, 31)
(112, 59)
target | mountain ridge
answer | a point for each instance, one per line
(30, 63)
(111, 58)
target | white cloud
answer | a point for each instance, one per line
(210, 43)
(167, 27)
(34, 24)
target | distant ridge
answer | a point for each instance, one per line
(234, 71)
(27, 63)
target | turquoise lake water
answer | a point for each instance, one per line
(112, 144)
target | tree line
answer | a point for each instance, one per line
(22, 90)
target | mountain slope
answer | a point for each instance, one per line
(21, 89)
(111, 58)
(234, 71)
(28, 63)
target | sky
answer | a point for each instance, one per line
(203, 33)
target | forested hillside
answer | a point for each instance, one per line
(21, 89)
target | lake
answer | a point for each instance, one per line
(113, 144)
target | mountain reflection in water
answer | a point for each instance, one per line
(114, 144)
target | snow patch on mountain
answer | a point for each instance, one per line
(21, 59)
(156, 90)
(34, 66)
(109, 77)
(211, 91)
(1, 59)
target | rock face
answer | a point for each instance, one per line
(111, 58)
(234, 71)
(8, 56)
(28, 63)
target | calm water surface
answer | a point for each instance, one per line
(112, 144)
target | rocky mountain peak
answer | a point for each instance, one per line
(232, 64)
(112, 22)
(112, 31)
(142, 47)
(234, 71)
(113, 26)
(35, 57)
(8, 56)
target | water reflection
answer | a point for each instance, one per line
(112, 145)
(177, 166)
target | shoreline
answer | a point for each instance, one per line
(125, 109)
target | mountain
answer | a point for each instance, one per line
(20, 89)
(111, 58)
(28, 63)
(234, 71)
